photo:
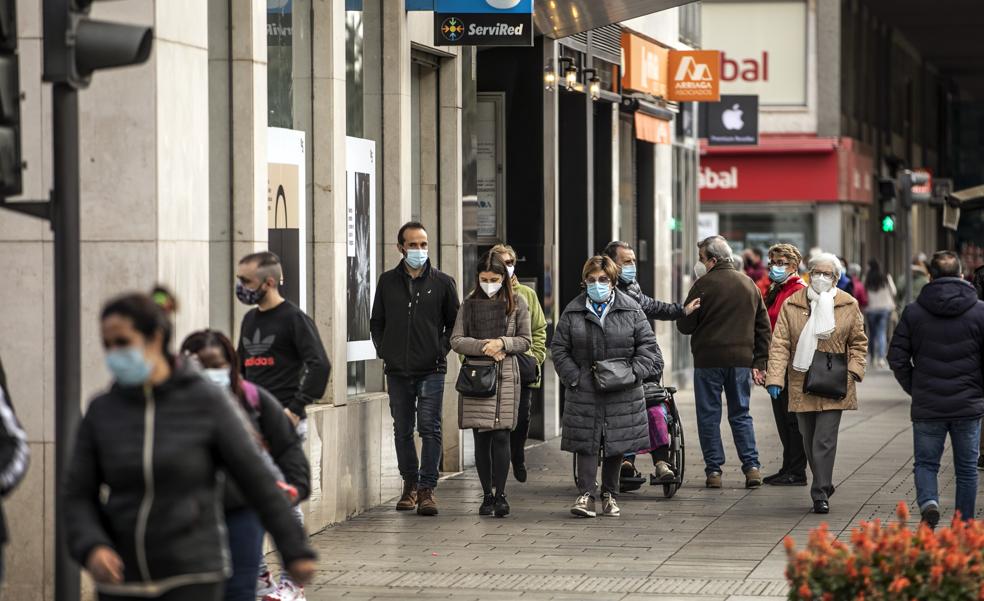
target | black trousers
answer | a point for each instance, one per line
(492, 459)
(195, 592)
(793, 453)
(587, 473)
(518, 437)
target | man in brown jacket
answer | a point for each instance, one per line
(730, 341)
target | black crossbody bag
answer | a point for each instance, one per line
(478, 379)
(827, 376)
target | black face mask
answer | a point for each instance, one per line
(248, 296)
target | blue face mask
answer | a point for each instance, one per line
(778, 274)
(628, 274)
(599, 292)
(128, 366)
(220, 377)
(416, 257)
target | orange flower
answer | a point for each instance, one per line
(936, 574)
(898, 585)
(805, 592)
(789, 543)
(902, 511)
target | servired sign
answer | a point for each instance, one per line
(695, 75)
(483, 23)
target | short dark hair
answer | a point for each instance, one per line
(611, 249)
(267, 265)
(198, 341)
(147, 316)
(945, 264)
(410, 225)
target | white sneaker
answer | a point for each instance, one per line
(288, 591)
(265, 585)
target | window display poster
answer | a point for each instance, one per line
(488, 172)
(360, 196)
(286, 205)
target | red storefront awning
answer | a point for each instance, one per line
(787, 169)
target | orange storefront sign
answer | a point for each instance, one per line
(695, 75)
(645, 65)
(653, 130)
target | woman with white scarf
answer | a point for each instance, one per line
(823, 319)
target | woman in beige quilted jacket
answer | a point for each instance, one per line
(493, 325)
(822, 319)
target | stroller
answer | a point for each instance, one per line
(658, 399)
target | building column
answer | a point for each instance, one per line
(396, 163)
(551, 240)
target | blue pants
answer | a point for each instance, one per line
(928, 440)
(417, 400)
(878, 320)
(736, 383)
(245, 549)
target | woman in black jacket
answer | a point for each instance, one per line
(142, 500)
(279, 445)
(603, 325)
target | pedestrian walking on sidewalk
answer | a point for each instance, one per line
(413, 315)
(819, 330)
(603, 350)
(937, 355)
(881, 303)
(281, 351)
(492, 330)
(157, 441)
(730, 343)
(277, 442)
(625, 258)
(530, 363)
(784, 260)
(15, 456)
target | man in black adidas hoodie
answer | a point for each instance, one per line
(412, 318)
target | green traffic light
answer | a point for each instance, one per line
(888, 224)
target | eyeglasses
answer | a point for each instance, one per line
(602, 280)
(778, 263)
(826, 274)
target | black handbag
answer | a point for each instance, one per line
(827, 376)
(529, 370)
(478, 379)
(613, 375)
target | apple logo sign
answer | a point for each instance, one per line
(503, 4)
(731, 118)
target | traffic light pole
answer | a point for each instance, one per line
(68, 388)
(908, 254)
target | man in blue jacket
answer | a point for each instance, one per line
(937, 354)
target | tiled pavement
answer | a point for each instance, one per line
(702, 544)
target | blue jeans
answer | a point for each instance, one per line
(928, 440)
(417, 400)
(736, 383)
(245, 549)
(878, 321)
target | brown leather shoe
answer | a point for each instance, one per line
(426, 502)
(408, 501)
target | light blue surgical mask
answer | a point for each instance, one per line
(778, 274)
(128, 366)
(628, 274)
(218, 376)
(416, 257)
(599, 292)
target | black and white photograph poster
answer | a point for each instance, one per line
(286, 206)
(360, 176)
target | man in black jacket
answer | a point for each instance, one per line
(937, 354)
(413, 315)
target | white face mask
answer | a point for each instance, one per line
(700, 270)
(821, 284)
(491, 289)
(510, 269)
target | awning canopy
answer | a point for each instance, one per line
(561, 18)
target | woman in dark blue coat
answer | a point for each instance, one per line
(603, 324)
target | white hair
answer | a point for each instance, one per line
(831, 258)
(716, 247)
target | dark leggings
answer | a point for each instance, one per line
(195, 592)
(492, 459)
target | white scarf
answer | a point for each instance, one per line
(820, 326)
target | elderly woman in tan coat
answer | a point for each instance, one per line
(493, 326)
(819, 344)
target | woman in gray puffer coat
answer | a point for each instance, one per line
(493, 325)
(603, 328)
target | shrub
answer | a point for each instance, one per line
(890, 562)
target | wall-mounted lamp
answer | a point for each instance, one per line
(570, 73)
(549, 77)
(593, 83)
